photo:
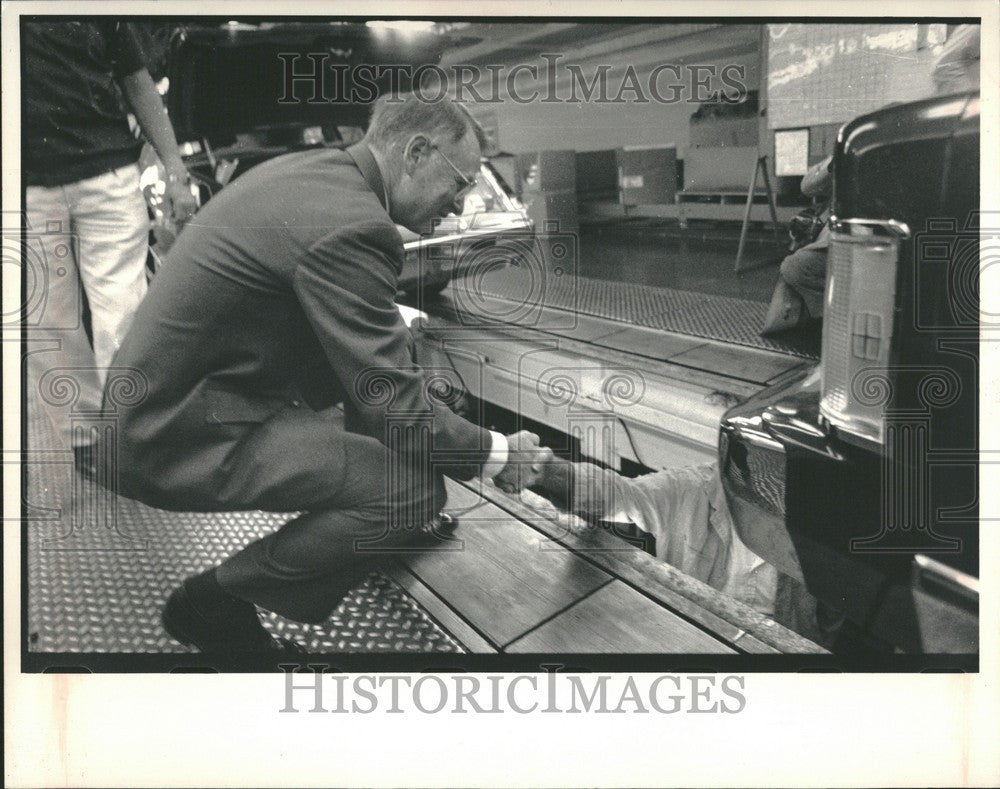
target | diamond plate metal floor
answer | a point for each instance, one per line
(100, 568)
(720, 318)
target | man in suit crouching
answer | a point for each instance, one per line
(277, 303)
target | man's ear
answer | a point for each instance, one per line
(417, 148)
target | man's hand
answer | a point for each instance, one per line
(526, 462)
(181, 204)
(584, 489)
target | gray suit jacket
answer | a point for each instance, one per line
(280, 294)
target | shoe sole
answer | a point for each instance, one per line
(169, 619)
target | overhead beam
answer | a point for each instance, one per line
(499, 36)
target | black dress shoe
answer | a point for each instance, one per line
(441, 524)
(85, 461)
(185, 623)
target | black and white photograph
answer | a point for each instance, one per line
(512, 364)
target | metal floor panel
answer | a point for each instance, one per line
(720, 318)
(97, 584)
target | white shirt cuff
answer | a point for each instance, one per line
(498, 456)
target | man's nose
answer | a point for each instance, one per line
(458, 204)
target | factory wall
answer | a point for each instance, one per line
(592, 125)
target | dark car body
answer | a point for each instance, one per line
(860, 479)
(241, 94)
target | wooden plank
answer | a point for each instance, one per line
(503, 577)
(616, 618)
(749, 364)
(463, 632)
(730, 620)
(461, 498)
(653, 343)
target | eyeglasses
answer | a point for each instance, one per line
(463, 182)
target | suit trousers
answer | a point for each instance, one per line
(805, 272)
(364, 504)
(86, 239)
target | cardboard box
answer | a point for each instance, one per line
(721, 132)
(597, 175)
(553, 211)
(546, 171)
(648, 176)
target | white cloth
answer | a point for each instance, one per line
(685, 510)
(497, 459)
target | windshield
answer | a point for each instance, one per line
(488, 195)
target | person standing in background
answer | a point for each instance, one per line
(798, 295)
(85, 214)
(956, 69)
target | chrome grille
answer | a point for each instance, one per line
(836, 316)
(858, 325)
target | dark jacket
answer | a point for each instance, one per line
(279, 294)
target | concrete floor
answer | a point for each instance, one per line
(700, 258)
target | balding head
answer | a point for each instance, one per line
(429, 155)
(397, 118)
